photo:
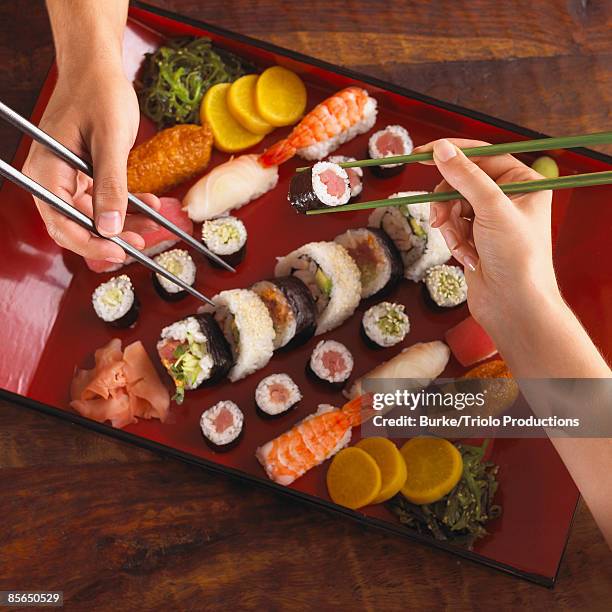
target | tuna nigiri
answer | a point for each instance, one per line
(229, 186)
(469, 342)
(156, 240)
(322, 434)
(346, 114)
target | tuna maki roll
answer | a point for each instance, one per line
(392, 140)
(420, 245)
(222, 425)
(194, 352)
(179, 263)
(332, 278)
(276, 394)
(225, 237)
(331, 363)
(385, 324)
(323, 185)
(379, 262)
(291, 308)
(355, 175)
(115, 302)
(248, 328)
(446, 286)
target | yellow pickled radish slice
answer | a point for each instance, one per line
(353, 478)
(391, 464)
(228, 134)
(434, 467)
(280, 96)
(241, 102)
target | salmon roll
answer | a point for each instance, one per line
(379, 262)
(389, 142)
(355, 175)
(332, 278)
(331, 363)
(116, 303)
(222, 425)
(291, 308)
(323, 185)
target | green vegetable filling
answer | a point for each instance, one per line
(416, 228)
(186, 369)
(391, 323)
(324, 282)
(112, 297)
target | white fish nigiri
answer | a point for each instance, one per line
(229, 186)
(422, 362)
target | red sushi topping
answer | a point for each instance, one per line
(223, 420)
(334, 184)
(334, 362)
(469, 342)
(354, 178)
(279, 394)
(166, 350)
(389, 143)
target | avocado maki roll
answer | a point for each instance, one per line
(291, 308)
(323, 185)
(194, 352)
(332, 278)
(179, 263)
(446, 286)
(379, 262)
(385, 324)
(225, 237)
(116, 303)
(388, 142)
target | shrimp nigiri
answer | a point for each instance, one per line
(346, 114)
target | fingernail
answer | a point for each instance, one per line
(456, 209)
(109, 223)
(450, 238)
(470, 262)
(444, 150)
(116, 260)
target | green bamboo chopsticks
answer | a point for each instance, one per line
(562, 182)
(524, 146)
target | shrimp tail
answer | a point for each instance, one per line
(278, 153)
(359, 409)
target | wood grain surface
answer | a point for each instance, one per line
(120, 528)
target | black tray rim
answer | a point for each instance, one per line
(319, 503)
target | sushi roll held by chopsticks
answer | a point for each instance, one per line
(325, 184)
(179, 263)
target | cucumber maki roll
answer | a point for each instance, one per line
(323, 185)
(446, 286)
(420, 245)
(222, 425)
(179, 263)
(332, 278)
(388, 142)
(355, 175)
(379, 262)
(385, 324)
(115, 302)
(225, 237)
(291, 308)
(194, 351)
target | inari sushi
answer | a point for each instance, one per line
(355, 175)
(222, 425)
(324, 185)
(379, 262)
(248, 328)
(115, 302)
(332, 277)
(388, 142)
(194, 352)
(179, 263)
(420, 245)
(291, 307)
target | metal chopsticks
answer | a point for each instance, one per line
(22, 124)
(37, 190)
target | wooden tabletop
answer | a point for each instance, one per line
(118, 527)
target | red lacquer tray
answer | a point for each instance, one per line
(49, 325)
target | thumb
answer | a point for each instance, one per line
(474, 184)
(109, 185)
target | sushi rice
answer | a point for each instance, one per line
(115, 301)
(386, 324)
(446, 285)
(224, 235)
(331, 362)
(179, 263)
(276, 394)
(332, 276)
(222, 424)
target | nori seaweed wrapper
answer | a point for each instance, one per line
(394, 257)
(166, 295)
(218, 347)
(129, 318)
(301, 193)
(303, 305)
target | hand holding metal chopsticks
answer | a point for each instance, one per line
(37, 190)
(22, 124)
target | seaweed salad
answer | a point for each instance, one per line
(176, 76)
(461, 515)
